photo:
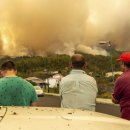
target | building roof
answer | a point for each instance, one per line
(36, 80)
(31, 78)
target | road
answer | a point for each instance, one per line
(49, 101)
(54, 101)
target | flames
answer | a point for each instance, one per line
(60, 26)
(7, 41)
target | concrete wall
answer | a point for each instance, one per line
(102, 105)
(106, 106)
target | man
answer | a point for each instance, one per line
(78, 90)
(15, 91)
(121, 93)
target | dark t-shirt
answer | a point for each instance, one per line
(122, 90)
(15, 91)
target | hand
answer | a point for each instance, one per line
(114, 100)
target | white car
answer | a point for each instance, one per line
(39, 91)
(41, 118)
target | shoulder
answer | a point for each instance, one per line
(21, 79)
(2, 79)
(121, 80)
(66, 78)
(90, 77)
(24, 82)
(84, 77)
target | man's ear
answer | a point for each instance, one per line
(70, 65)
(2, 73)
(15, 71)
(85, 65)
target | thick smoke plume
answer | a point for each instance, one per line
(40, 27)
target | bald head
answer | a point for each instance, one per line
(78, 61)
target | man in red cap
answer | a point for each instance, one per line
(121, 93)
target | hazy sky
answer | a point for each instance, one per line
(60, 26)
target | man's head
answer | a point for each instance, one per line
(8, 68)
(78, 61)
(124, 60)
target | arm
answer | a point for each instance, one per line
(34, 104)
(34, 98)
(118, 90)
(60, 90)
(32, 95)
(114, 100)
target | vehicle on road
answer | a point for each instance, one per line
(33, 118)
(39, 91)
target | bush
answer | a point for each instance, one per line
(52, 90)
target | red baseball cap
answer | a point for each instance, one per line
(124, 57)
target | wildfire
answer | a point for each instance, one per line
(7, 39)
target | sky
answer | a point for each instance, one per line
(42, 27)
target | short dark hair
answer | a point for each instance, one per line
(127, 64)
(8, 65)
(78, 61)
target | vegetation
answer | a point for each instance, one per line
(42, 67)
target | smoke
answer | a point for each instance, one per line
(40, 27)
(109, 22)
(89, 50)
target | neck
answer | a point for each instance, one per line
(9, 74)
(78, 68)
(126, 69)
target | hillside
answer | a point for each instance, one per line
(42, 67)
